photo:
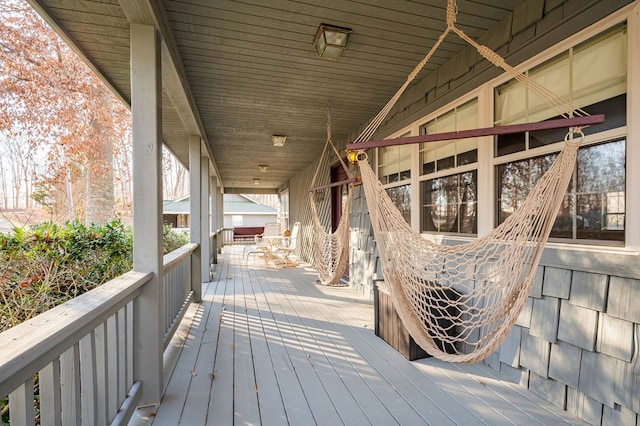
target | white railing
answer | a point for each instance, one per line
(80, 354)
(227, 236)
(177, 287)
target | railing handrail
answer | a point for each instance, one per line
(31, 345)
(170, 260)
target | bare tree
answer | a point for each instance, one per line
(50, 92)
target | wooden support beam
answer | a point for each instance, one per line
(331, 185)
(146, 126)
(486, 131)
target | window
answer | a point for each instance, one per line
(448, 191)
(236, 220)
(394, 163)
(442, 155)
(394, 169)
(449, 204)
(592, 76)
(593, 208)
(401, 196)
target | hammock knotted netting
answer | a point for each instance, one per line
(459, 302)
(330, 249)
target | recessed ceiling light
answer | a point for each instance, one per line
(278, 140)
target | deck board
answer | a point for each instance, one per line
(285, 350)
(272, 410)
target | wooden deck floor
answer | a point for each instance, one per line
(269, 346)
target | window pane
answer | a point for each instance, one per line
(508, 144)
(592, 209)
(401, 197)
(600, 68)
(442, 155)
(449, 204)
(394, 163)
(615, 110)
(553, 76)
(515, 179)
(510, 100)
(600, 191)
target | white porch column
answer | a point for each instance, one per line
(194, 215)
(213, 248)
(220, 206)
(204, 218)
(146, 112)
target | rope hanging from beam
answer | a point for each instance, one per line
(459, 302)
(330, 249)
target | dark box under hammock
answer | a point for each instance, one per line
(389, 327)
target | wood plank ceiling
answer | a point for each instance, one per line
(251, 71)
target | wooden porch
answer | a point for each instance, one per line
(269, 346)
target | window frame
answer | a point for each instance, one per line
(540, 61)
(421, 178)
(582, 255)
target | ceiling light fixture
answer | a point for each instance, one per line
(263, 168)
(331, 41)
(256, 181)
(278, 140)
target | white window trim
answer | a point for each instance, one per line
(487, 162)
(410, 130)
(632, 225)
(484, 147)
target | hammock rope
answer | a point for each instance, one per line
(330, 249)
(459, 302)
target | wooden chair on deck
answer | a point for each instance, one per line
(262, 246)
(288, 246)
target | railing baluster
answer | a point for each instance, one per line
(101, 374)
(112, 367)
(85, 350)
(50, 396)
(21, 405)
(70, 386)
(123, 384)
(88, 379)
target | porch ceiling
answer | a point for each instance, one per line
(236, 72)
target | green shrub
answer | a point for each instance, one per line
(48, 264)
(172, 239)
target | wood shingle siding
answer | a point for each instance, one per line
(589, 290)
(564, 363)
(544, 318)
(624, 294)
(578, 326)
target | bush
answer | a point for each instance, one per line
(172, 240)
(48, 264)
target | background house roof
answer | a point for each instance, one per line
(233, 204)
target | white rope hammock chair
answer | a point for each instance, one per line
(330, 249)
(459, 301)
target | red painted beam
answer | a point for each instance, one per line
(486, 131)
